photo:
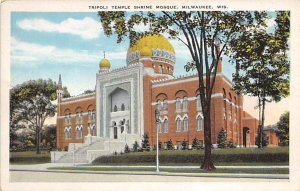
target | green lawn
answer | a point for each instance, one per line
(29, 157)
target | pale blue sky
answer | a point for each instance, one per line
(45, 45)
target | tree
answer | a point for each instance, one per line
(222, 139)
(145, 142)
(205, 34)
(231, 144)
(262, 64)
(49, 137)
(30, 102)
(283, 129)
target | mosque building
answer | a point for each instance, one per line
(122, 108)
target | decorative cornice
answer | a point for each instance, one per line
(78, 100)
(78, 96)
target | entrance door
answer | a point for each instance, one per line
(115, 132)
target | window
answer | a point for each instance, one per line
(115, 108)
(158, 127)
(178, 104)
(224, 109)
(66, 119)
(165, 104)
(178, 124)
(68, 133)
(128, 127)
(185, 124)
(122, 107)
(230, 114)
(89, 115)
(185, 103)
(79, 132)
(160, 69)
(93, 115)
(77, 117)
(158, 105)
(199, 123)
(166, 125)
(81, 117)
(198, 102)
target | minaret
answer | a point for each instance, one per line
(104, 65)
(219, 68)
(59, 124)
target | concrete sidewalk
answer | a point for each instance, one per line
(44, 168)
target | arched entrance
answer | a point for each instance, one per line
(246, 136)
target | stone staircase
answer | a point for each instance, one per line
(86, 153)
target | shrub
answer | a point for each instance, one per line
(135, 147)
(145, 142)
(222, 139)
(185, 145)
(126, 149)
(170, 145)
(231, 144)
(196, 144)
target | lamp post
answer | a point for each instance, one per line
(157, 115)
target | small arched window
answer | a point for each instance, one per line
(199, 123)
(185, 124)
(185, 103)
(165, 104)
(122, 107)
(178, 104)
(115, 108)
(178, 124)
(198, 102)
(158, 105)
(160, 69)
(166, 125)
(158, 126)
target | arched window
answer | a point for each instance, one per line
(122, 107)
(160, 69)
(81, 117)
(158, 105)
(79, 132)
(77, 117)
(198, 102)
(199, 123)
(158, 127)
(178, 124)
(178, 104)
(185, 103)
(93, 115)
(128, 127)
(166, 125)
(165, 104)
(115, 108)
(66, 133)
(230, 111)
(185, 124)
(224, 109)
(89, 115)
(66, 119)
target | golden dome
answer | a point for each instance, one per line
(145, 51)
(152, 42)
(104, 63)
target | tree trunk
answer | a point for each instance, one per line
(262, 121)
(207, 163)
(37, 140)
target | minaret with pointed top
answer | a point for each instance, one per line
(104, 65)
(59, 93)
(219, 68)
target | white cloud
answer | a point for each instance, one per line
(87, 28)
(24, 53)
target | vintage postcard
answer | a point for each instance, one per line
(149, 95)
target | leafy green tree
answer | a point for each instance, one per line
(30, 102)
(145, 142)
(205, 34)
(222, 139)
(49, 137)
(283, 129)
(262, 64)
